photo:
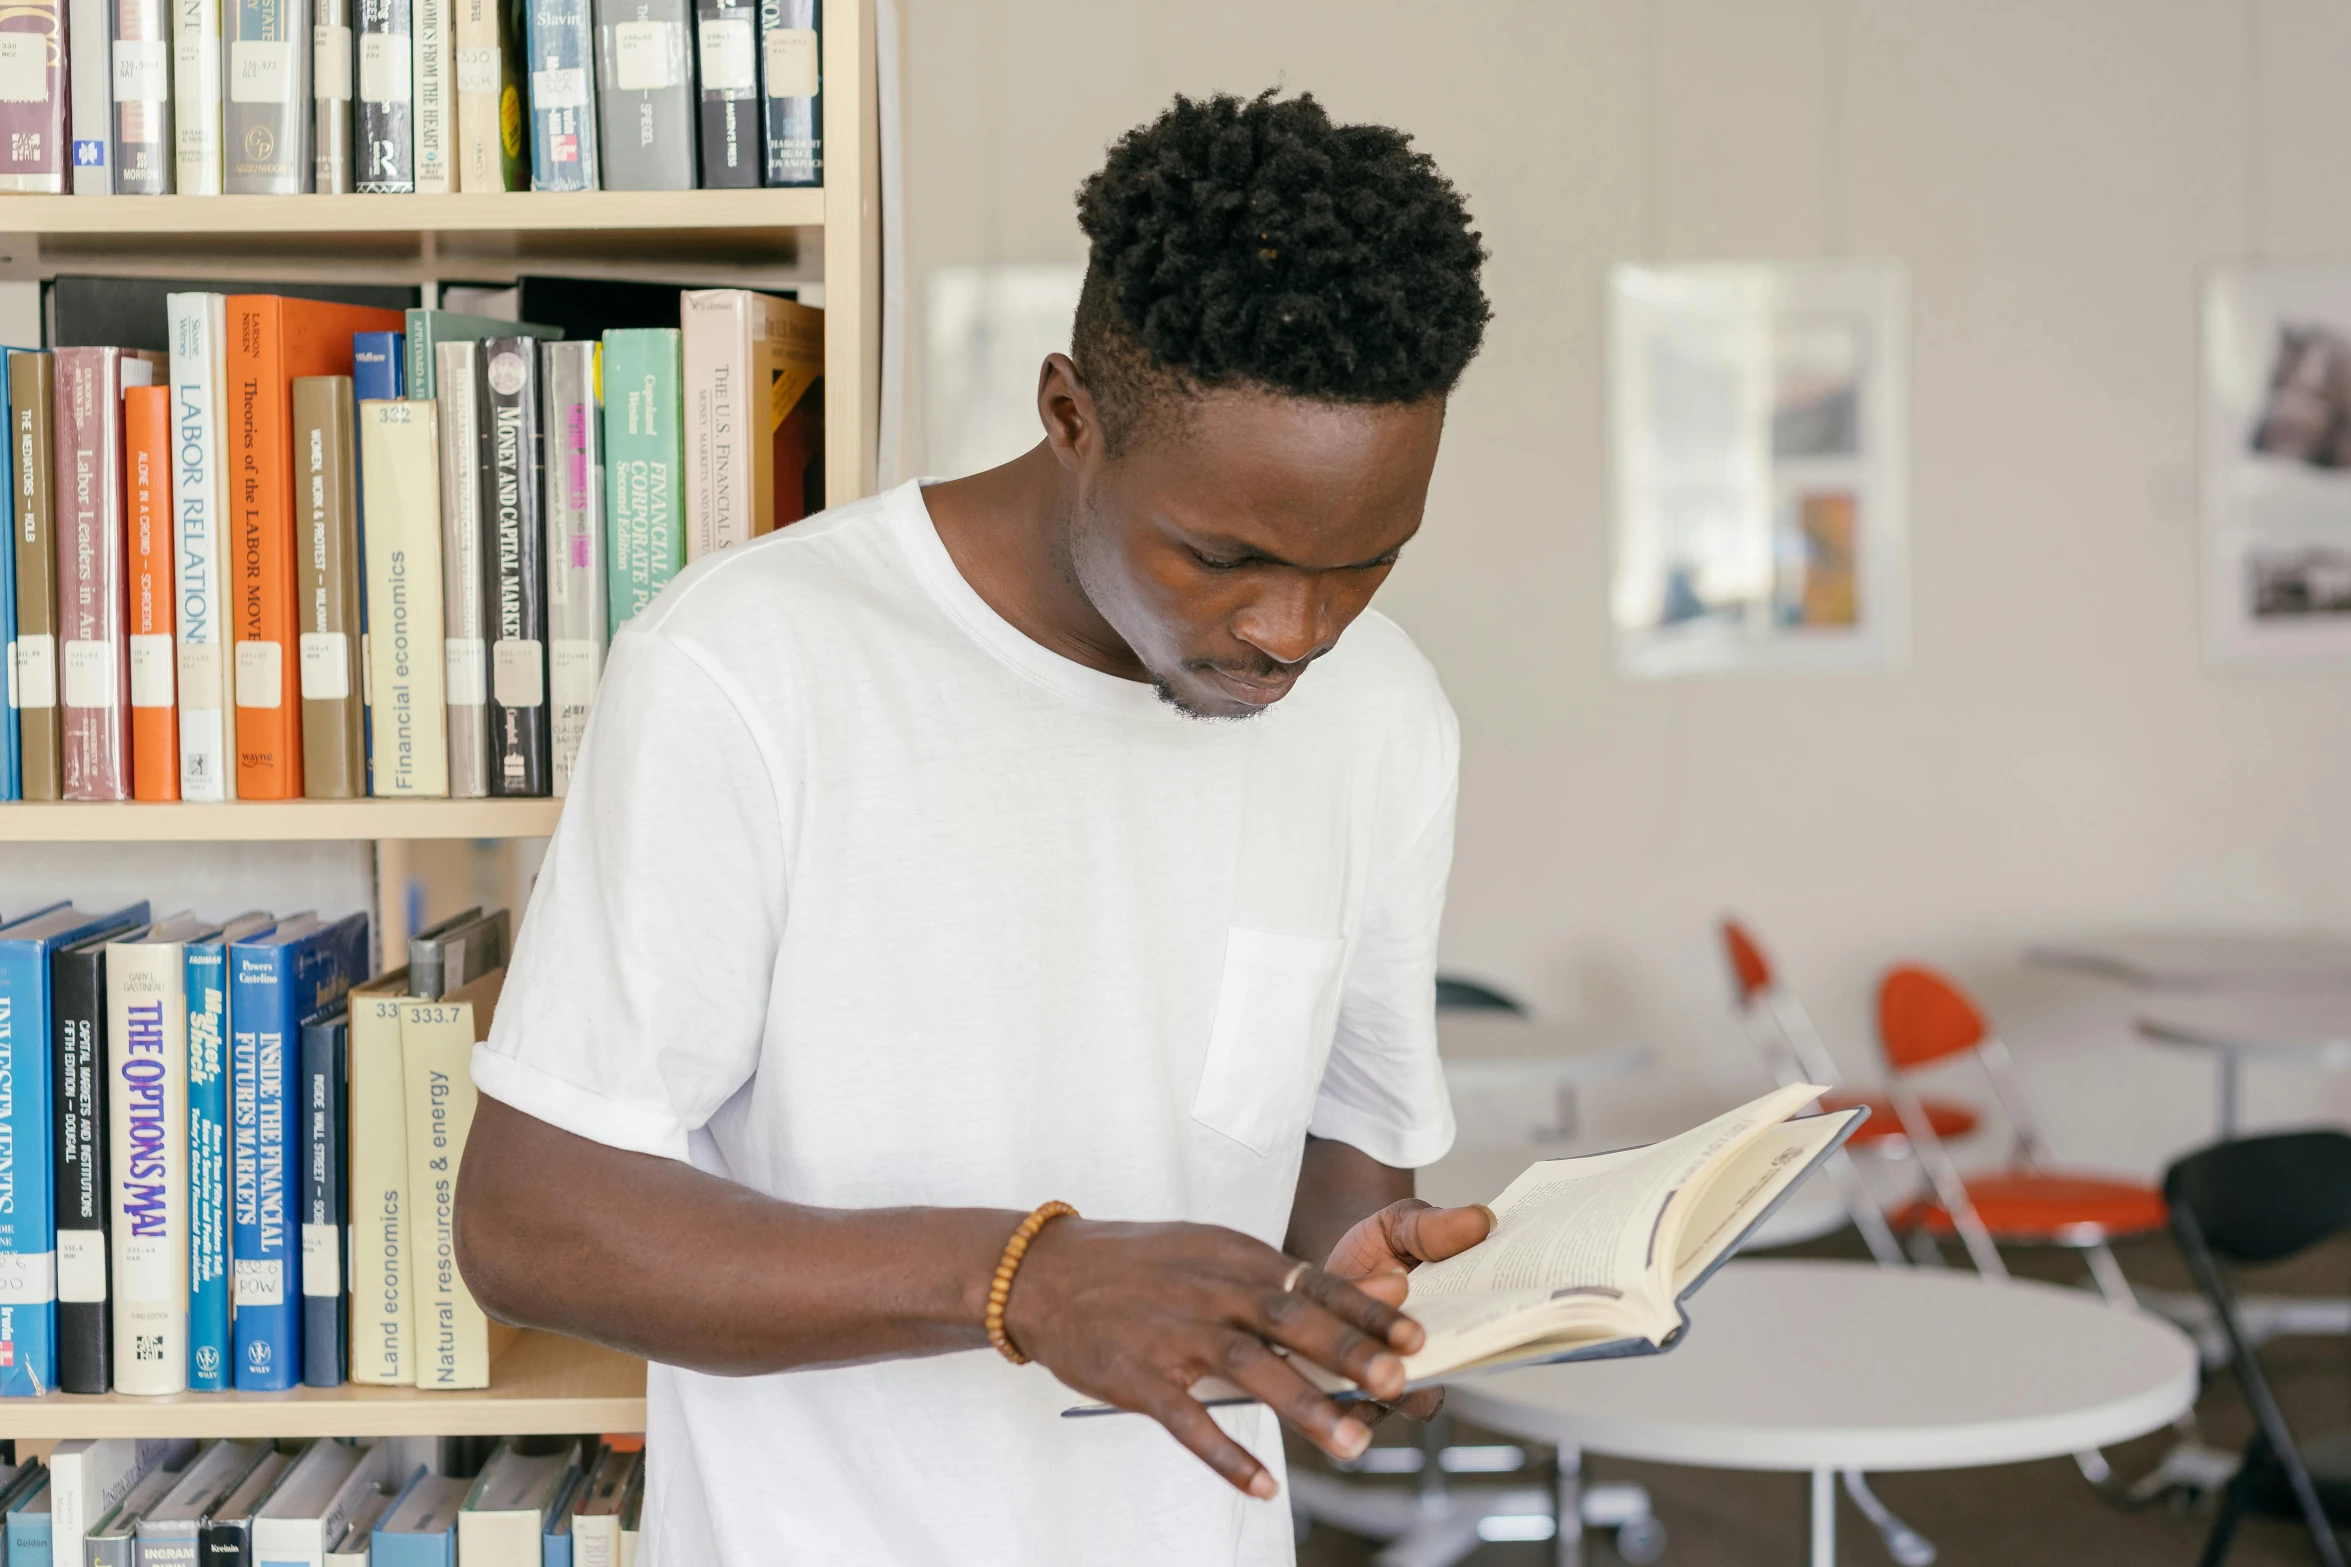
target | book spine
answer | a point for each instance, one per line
(260, 473)
(94, 660)
(516, 571)
(147, 1013)
(155, 719)
(86, 1479)
(376, 359)
(77, 989)
(196, 95)
(331, 88)
(10, 788)
(435, 83)
(788, 466)
(207, 686)
(263, 1160)
(145, 159)
(89, 34)
(387, 126)
(727, 55)
(452, 1334)
(577, 619)
(28, 1227)
(32, 401)
(791, 85)
(29, 1539)
(266, 124)
(399, 452)
(326, 1345)
(467, 677)
(225, 1542)
(483, 71)
(645, 94)
(326, 499)
(719, 459)
(33, 152)
(643, 466)
(206, 968)
(382, 1311)
(563, 98)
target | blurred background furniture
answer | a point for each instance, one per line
(2202, 960)
(2299, 1025)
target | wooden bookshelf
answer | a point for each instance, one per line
(167, 221)
(544, 1384)
(275, 821)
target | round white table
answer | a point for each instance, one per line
(1514, 1079)
(2203, 960)
(1829, 1366)
(2303, 1027)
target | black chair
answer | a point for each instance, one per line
(1455, 994)
(2263, 1199)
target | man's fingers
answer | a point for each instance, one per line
(1247, 1362)
(1388, 1286)
(1422, 1405)
(1422, 1233)
(1198, 1431)
(1335, 1325)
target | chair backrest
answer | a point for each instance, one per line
(1455, 994)
(1924, 1018)
(2262, 1199)
(1751, 972)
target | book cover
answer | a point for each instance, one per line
(28, 1123)
(727, 61)
(207, 675)
(112, 1540)
(135, 312)
(145, 158)
(454, 1338)
(93, 648)
(147, 1080)
(32, 401)
(146, 489)
(399, 445)
(428, 329)
(10, 786)
(754, 371)
(83, 1190)
(168, 1532)
(578, 621)
(589, 308)
(274, 341)
(378, 372)
(25, 1516)
(332, 85)
(33, 155)
(791, 52)
(326, 1343)
(421, 1528)
(452, 953)
(89, 34)
(274, 982)
(359, 1536)
(225, 1536)
(464, 569)
(196, 97)
(326, 499)
(434, 83)
(644, 465)
(489, 98)
(387, 124)
(382, 1306)
(266, 124)
(644, 94)
(89, 1477)
(504, 1520)
(206, 979)
(515, 572)
(562, 38)
(315, 1503)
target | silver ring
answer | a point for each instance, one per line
(1290, 1283)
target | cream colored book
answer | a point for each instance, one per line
(434, 78)
(399, 465)
(749, 359)
(455, 1341)
(382, 1264)
(505, 1517)
(484, 160)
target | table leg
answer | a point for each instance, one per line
(1824, 1518)
(2231, 1071)
(1567, 1537)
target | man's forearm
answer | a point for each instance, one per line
(1338, 1186)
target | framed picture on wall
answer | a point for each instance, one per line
(1758, 425)
(2277, 465)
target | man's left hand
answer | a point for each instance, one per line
(1377, 1254)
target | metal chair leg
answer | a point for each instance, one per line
(2109, 1276)
(1906, 1545)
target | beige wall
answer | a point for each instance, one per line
(2055, 173)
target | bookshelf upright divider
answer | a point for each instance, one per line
(830, 237)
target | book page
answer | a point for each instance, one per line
(1747, 1184)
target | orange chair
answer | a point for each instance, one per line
(1924, 1020)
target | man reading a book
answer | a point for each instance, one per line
(1068, 833)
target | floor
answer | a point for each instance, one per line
(2020, 1515)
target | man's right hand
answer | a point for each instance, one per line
(1135, 1314)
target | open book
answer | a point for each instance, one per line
(1593, 1257)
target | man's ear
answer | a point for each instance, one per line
(1073, 426)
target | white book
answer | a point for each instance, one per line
(312, 1507)
(434, 104)
(195, 95)
(399, 470)
(89, 1477)
(595, 1527)
(356, 1546)
(89, 40)
(200, 536)
(577, 625)
(147, 1094)
(504, 1520)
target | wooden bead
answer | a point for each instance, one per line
(1000, 1287)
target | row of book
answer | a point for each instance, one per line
(204, 539)
(190, 1105)
(153, 97)
(117, 1502)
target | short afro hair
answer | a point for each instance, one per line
(1257, 245)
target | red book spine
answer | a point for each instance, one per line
(94, 658)
(146, 488)
(32, 110)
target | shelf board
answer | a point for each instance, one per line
(507, 212)
(266, 821)
(545, 1384)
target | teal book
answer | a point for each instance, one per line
(644, 466)
(206, 970)
(428, 328)
(28, 1522)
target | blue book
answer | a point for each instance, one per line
(28, 1113)
(562, 62)
(10, 786)
(28, 1526)
(206, 968)
(420, 1530)
(275, 981)
(555, 1544)
(379, 373)
(326, 1214)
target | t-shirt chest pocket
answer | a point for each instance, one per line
(1276, 1010)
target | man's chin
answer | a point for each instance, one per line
(1204, 699)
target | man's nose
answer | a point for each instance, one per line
(1290, 621)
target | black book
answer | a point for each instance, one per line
(129, 312)
(728, 34)
(85, 1327)
(386, 152)
(326, 1212)
(791, 87)
(587, 308)
(514, 578)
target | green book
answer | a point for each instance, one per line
(644, 465)
(428, 327)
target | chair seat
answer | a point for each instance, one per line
(2329, 1461)
(2048, 1207)
(1946, 1119)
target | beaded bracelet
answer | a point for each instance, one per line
(1000, 1287)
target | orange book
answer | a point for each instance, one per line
(147, 514)
(271, 341)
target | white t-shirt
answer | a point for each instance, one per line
(862, 898)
